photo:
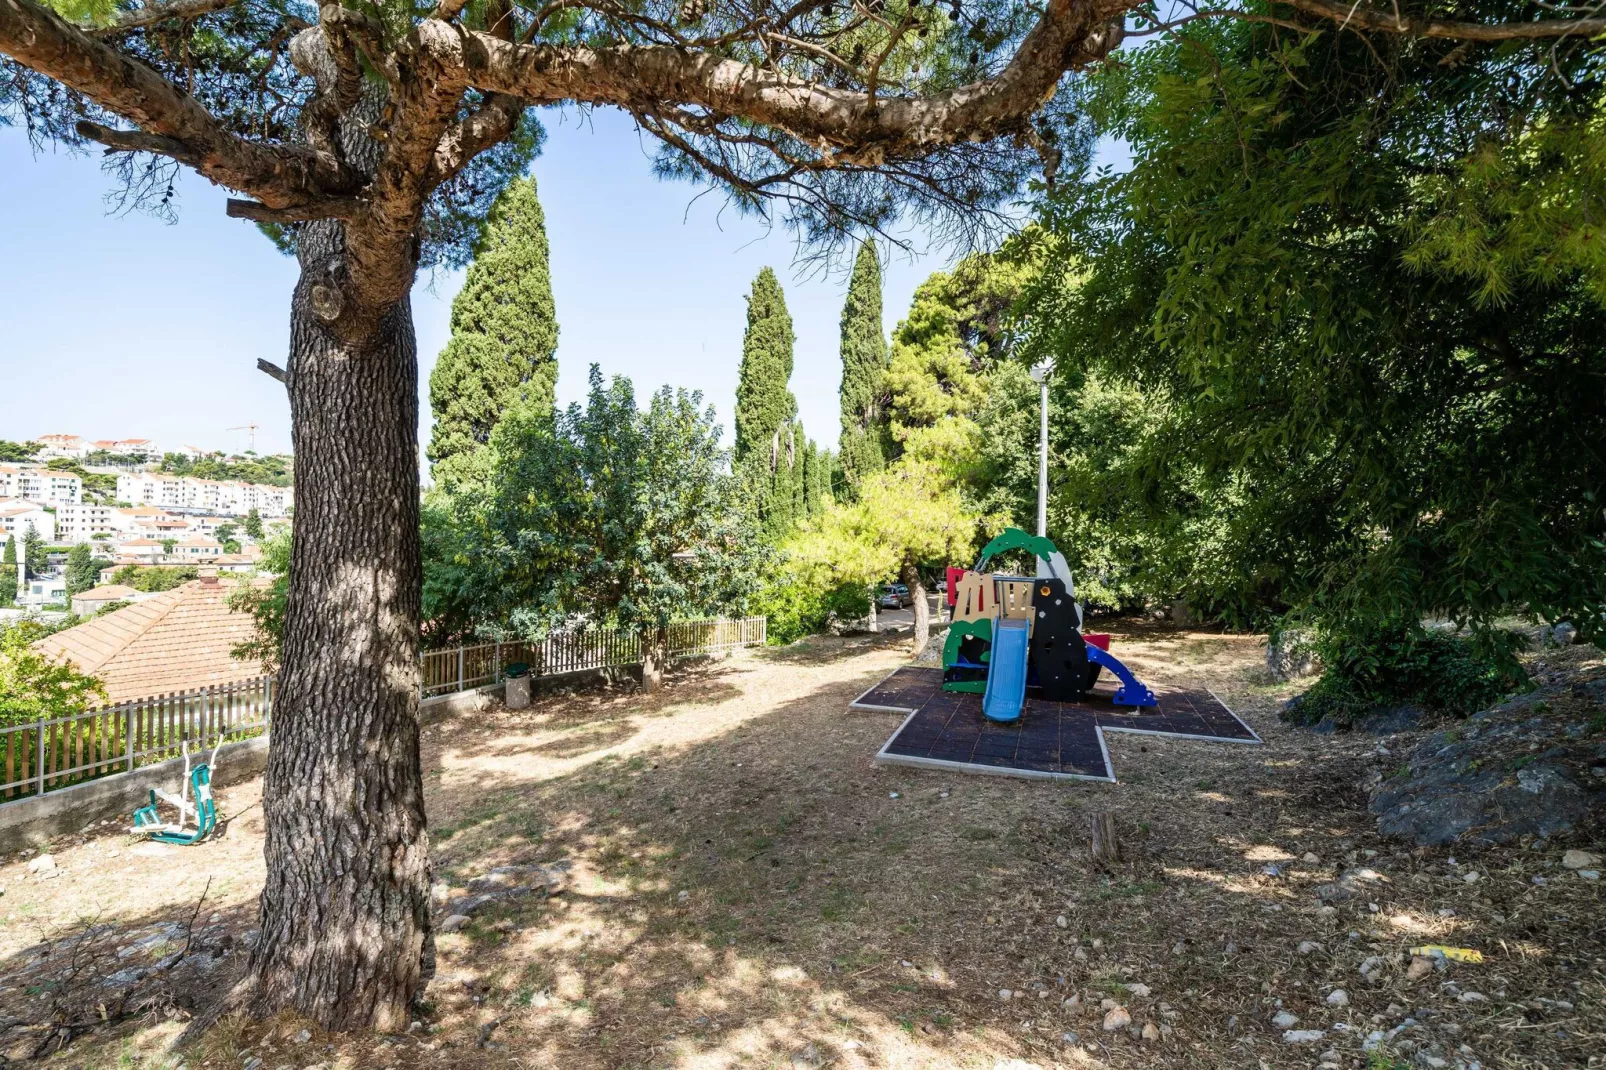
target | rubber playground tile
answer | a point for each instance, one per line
(946, 729)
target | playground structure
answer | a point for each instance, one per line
(1016, 693)
(1008, 634)
(197, 810)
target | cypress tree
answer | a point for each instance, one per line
(504, 328)
(764, 402)
(766, 439)
(863, 446)
(8, 573)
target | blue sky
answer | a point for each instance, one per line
(123, 326)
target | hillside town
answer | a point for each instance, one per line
(130, 502)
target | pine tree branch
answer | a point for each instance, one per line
(1359, 16)
(487, 126)
(328, 208)
(274, 370)
(153, 13)
(281, 176)
(1069, 34)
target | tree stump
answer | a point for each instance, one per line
(1103, 846)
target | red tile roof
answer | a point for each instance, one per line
(178, 640)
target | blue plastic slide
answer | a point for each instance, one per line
(1006, 671)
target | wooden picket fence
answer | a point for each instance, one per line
(467, 667)
(44, 756)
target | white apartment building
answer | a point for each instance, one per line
(139, 550)
(75, 447)
(43, 591)
(62, 446)
(40, 484)
(197, 548)
(17, 516)
(166, 491)
(79, 521)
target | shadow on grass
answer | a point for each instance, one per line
(747, 889)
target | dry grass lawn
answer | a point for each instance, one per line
(749, 890)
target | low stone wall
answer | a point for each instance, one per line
(32, 821)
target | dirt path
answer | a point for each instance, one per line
(748, 890)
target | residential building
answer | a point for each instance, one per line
(177, 640)
(80, 521)
(87, 603)
(17, 516)
(62, 446)
(197, 548)
(167, 491)
(236, 562)
(40, 484)
(41, 591)
(136, 519)
(139, 550)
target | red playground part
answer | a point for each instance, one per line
(1100, 641)
(953, 583)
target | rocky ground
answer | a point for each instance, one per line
(720, 877)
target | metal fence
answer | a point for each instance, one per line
(46, 755)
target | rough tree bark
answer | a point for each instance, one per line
(922, 607)
(345, 909)
(654, 656)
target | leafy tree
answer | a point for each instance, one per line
(958, 328)
(82, 569)
(274, 470)
(372, 142)
(154, 578)
(504, 328)
(863, 446)
(253, 523)
(225, 532)
(601, 514)
(265, 603)
(907, 517)
(13, 452)
(1371, 366)
(34, 687)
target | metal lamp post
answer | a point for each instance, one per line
(1040, 373)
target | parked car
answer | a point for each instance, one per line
(896, 596)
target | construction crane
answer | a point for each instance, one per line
(252, 429)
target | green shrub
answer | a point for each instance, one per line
(1396, 661)
(154, 578)
(796, 608)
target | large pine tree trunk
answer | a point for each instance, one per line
(345, 931)
(922, 607)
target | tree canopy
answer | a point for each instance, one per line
(599, 514)
(1346, 347)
